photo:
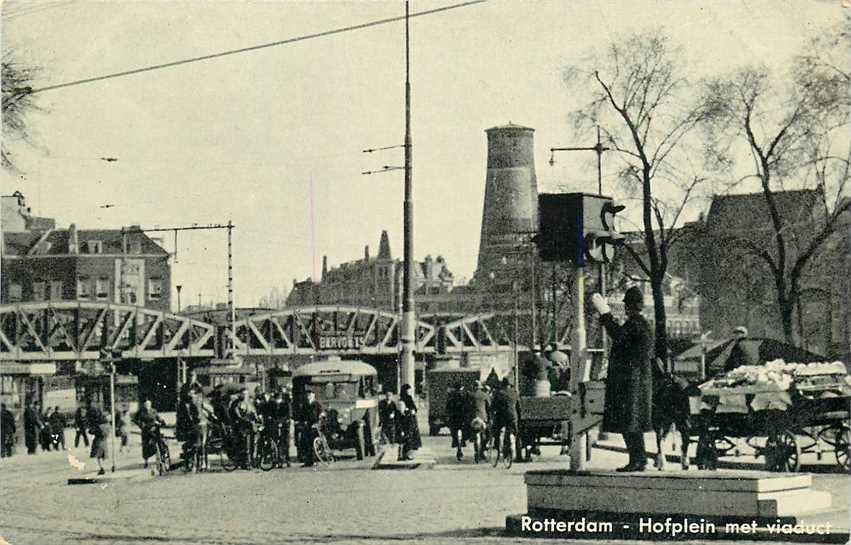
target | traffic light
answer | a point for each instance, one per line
(577, 226)
(600, 244)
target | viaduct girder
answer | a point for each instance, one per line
(80, 330)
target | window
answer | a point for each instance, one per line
(155, 289)
(16, 292)
(83, 291)
(94, 247)
(39, 290)
(102, 288)
(55, 290)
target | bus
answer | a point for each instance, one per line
(346, 389)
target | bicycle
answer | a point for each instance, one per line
(266, 449)
(163, 463)
(506, 452)
(321, 448)
(478, 426)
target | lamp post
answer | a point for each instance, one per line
(408, 329)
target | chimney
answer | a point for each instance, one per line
(366, 253)
(324, 267)
(73, 241)
(384, 246)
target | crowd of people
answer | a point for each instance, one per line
(478, 413)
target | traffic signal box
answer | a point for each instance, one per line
(577, 227)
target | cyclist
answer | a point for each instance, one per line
(188, 426)
(478, 410)
(242, 427)
(149, 423)
(506, 408)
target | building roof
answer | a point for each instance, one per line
(56, 242)
(510, 126)
(749, 211)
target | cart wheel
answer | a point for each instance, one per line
(782, 452)
(842, 448)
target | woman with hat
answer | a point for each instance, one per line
(629, 384)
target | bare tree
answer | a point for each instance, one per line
(794, 127)
(648, 115)
(17, 86)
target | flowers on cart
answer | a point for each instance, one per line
(762, 377)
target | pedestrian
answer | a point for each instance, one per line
(387, 412)
(149, 422)
(455, 417)
(46, 432)
(8, 430)
(312, 415)
(408, 421)
(32, 426)
(191, 384)
(100, 430)
(205, 413)
(280, 412)
(629, 384)
(57, 428)
(740, 352)
(121, 431)
(80, 427)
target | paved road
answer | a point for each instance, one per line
(455, 503)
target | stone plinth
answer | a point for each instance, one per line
(644, 505)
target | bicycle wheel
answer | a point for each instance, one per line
(163, 460)
(322, 451)
(507, 451)
(267, 454)
(496, 452)
(188, 461)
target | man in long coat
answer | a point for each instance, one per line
(629, 385)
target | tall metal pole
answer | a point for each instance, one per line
(516, 328)
(231, 308)
(601, 281)
(112, 411)
(408, 318)
(534, 308)
(578, 446)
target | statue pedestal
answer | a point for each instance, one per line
(674, 505)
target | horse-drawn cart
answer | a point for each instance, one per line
(554, 420)
(780, 410)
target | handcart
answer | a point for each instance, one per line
(810, 415)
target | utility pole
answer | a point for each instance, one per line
(408, 329)
(231, 307)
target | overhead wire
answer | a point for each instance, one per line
(252, 48)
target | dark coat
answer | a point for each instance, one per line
(629, 383)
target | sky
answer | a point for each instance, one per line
(272, 139)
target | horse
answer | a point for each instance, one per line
(671, 408)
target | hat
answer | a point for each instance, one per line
(741, 330)
(633, 299)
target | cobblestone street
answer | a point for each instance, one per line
(343, 503)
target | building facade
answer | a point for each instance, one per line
(376, 282)
(43, 263)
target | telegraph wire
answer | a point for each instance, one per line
(252, 48)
